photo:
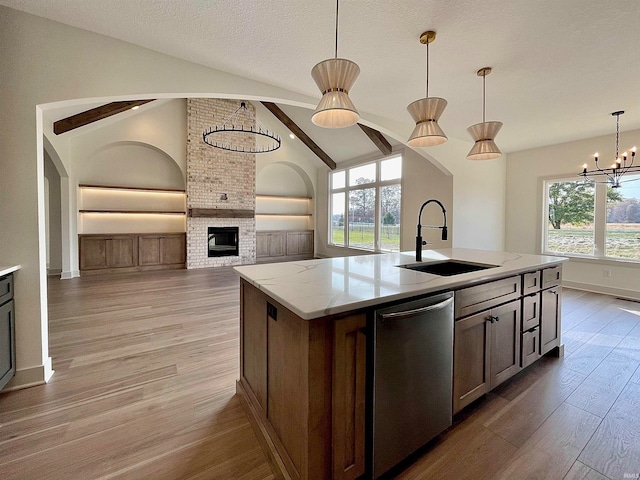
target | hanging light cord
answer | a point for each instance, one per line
(617, 136)
(484, 96)
(427, 82)
(337, 7)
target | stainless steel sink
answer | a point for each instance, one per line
(448, 267)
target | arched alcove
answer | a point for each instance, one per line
(282, 178)
(132, 164)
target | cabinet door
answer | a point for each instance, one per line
(348, 397)
(93, 253)
(253, 330)
(122, 252)
(277, 245)
(172, 249)
(471, 365)
(305, 243)
(550, 319)
(293, 243)
(263, 242)
(7, 343)
(149, 250)
(505, 342)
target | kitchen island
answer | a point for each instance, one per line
(303, 343)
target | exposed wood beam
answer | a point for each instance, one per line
(377, 138)
(89, 116)
(298, 132)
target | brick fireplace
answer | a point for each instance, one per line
(219, 184)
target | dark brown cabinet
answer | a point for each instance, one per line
(131, 252)
(486, 352)
(550, 319)
(7, 331)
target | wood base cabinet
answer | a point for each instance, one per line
(486, 353)
(131, 252)
(7, 331)
(303, 383)
(283, 245)
(550, 316)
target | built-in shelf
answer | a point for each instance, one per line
(115, 209)
(283, 212)
(136, 212)
(136, 189)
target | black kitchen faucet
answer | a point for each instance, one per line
(419, 242)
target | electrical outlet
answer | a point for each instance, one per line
(606, 273)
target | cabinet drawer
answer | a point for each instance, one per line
(530, 347)
(482, 297)
(6, 288)
(530, 283)
(530, 312)
(551, 276)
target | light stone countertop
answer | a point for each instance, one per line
(317, 288)
(5, 270)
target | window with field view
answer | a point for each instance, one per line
(365, 206)
(593, 220)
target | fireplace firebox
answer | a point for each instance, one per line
(222, 241)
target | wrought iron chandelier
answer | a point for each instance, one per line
(623, 163)
(266, 141)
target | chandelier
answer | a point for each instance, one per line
(623, 163)
(334, 78)
(427, 111)
(218, 136)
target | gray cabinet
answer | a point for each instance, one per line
(284, 245)
(7, 331)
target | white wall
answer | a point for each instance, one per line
(44, 62)
(524, 203)
(54, 220)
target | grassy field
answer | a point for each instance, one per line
(362, 236)
(620, 242)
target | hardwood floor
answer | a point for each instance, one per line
(144, 385)
(144, 388)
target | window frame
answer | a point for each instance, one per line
(377, 185)
(599, 223)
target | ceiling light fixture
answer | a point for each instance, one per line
(427, 111)
(484, 133)
(334, 78)
(265, 141)
(613, 175)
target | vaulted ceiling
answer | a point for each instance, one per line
(560, 67)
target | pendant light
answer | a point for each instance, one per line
(427, 111)
(334, 78)
(484, 133)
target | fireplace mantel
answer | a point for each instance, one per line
(221, 213)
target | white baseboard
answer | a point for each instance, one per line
(616, 292)
(70, 274)
(30, 377)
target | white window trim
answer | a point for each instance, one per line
(378, 184)
(599, 224)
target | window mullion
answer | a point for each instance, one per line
(600, 219)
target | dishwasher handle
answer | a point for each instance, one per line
(415, 311)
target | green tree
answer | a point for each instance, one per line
(389, 219)
(573, 202)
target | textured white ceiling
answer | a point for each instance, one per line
(560, 67)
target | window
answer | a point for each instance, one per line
(365, 206)
(593, 220)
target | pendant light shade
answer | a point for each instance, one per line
(334, 78)
(484, 133)
(427, 111)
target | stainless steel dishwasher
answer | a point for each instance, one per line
(412, 378)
